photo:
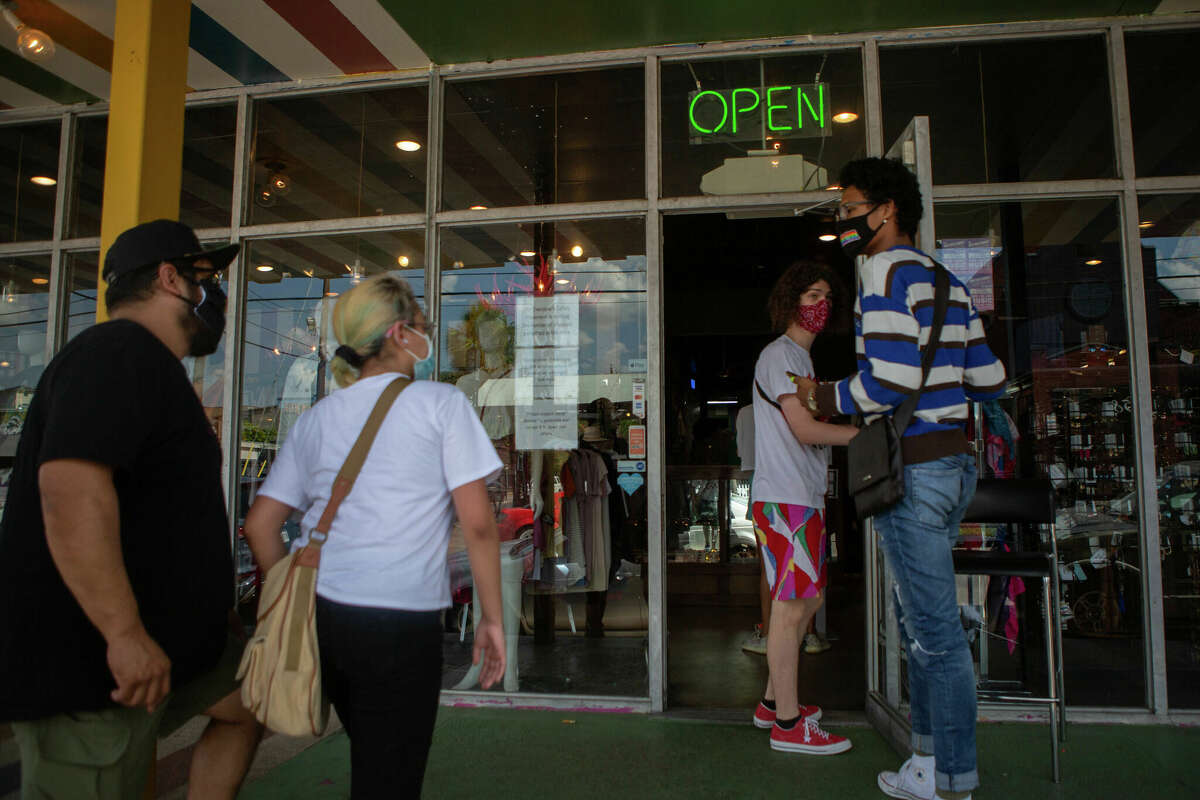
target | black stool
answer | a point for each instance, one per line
(999, 501)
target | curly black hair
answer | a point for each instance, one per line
(883, 179)
(784, 302)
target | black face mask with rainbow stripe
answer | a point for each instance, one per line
(855, 233)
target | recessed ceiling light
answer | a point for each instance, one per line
(562, 281)
(402, 261)
(43, 180)
(4, 364)
(577, 251)
(844, 117)
(1145, 224)
(277, 351)
(833, 187)
(1092, 262)
(458, 265)
(527, 254)
(408, 145)
(265, 268)
(41, 281)
(331, 293)
(478, 208)
(828, 237)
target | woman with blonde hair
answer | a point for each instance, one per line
(383, 581)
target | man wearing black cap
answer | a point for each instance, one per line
(116, 576)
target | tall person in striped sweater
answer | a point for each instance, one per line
(878, 216)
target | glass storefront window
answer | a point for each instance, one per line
(292, 285)
(27, 180)
(551, 348)
(1171, 262)
(83, 270)
(344, 154)
(209, 137)
(1047, 279)
(563, 138)
(752, 125)
(1161, 96)
(206, 194)
(994, 115)
(24, 302)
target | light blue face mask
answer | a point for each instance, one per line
(423, 367)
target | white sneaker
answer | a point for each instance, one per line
(910, 783)
(756, 643)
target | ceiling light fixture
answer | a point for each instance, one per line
(408, 145)
(331, 293)
(845, 117)
(9, 295)
(833, 187)
(562, 281)
(265, 268)
(577, 251)
(1093, 262)
(1143, 224)
(527, 254)
(279, 182)
(356, 272)
(33, 44)
(478, 208)
(41, 281)
(43, 180)
(402, 261)
(828, 237)
(5, 364)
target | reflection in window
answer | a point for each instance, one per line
(206, 195)
(994, 116)
(781, 124)
(209, 134)
(1171, 261)
(292, 286)
(24, 302)
(1048, 278)
(28, 177)
(1162, 96)
(83, 271)
(347, 154)
(538, 139)
(544, 329)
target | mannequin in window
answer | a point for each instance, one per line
(492, 397)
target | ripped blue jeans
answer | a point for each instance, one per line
(916, 536)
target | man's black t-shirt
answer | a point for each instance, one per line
(115, 395)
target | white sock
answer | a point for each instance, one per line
(925, 763)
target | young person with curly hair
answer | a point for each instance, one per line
(790, 466)
(878, 217)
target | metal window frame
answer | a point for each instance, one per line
(1125, 189)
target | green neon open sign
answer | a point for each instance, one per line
(745, 114)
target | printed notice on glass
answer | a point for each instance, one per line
(546, 372)
(548, 321)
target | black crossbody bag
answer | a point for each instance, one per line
(875, 462)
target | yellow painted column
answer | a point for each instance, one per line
(143, 165)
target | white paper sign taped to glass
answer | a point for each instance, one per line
(547, 374)
(548, 321)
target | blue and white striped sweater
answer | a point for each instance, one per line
(895, 309)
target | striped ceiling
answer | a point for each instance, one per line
(233, 43)
(240, 42)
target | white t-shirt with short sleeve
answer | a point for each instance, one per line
(785, 471)
(387, 545)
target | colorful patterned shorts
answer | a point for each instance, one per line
(794, 548)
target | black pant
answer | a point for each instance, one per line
(382, 670)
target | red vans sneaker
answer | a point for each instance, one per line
(765, 718)
(806, 736)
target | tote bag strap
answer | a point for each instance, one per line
(354, 462)
(941, 299)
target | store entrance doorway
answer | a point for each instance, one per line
(718, 272)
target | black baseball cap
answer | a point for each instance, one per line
(152, 243)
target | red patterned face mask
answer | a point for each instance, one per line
(813, 318)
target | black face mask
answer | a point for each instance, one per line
(855, 233)
(208, 316)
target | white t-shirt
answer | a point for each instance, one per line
(387, 545)
(785, 471)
